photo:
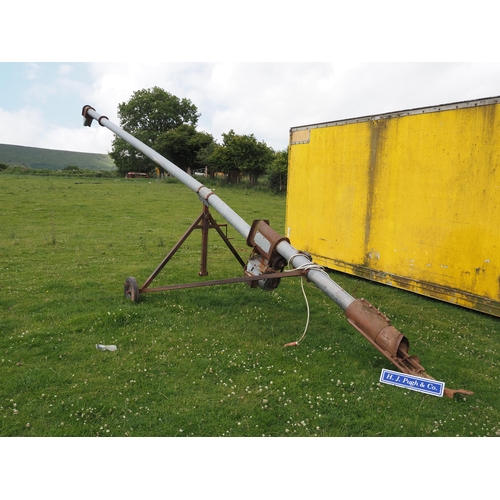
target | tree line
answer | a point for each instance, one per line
(168, 124)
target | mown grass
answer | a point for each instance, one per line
(207, 361)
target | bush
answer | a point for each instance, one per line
(72, 169)
(277, 172)
(65, 172)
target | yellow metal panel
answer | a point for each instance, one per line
(409, 200)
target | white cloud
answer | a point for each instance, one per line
(252, 98)
(81, 139)
(21, 127)
(27, 127)
(33, 71)
(40, 91)
(65, 69)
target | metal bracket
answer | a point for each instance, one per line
(257, 270)
(87, 119)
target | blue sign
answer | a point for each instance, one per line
(413, 383)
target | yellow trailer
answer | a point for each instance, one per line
(409, 198)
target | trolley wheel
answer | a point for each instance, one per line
(131, 289)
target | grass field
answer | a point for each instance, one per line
(207, 361)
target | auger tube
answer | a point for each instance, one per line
(319, 278)
(365, 318)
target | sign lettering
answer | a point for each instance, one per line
(420, 384)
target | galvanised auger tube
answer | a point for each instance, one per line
(272, 252)
(319, 278)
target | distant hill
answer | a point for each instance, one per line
(53, 159)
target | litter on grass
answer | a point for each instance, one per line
(102, 347)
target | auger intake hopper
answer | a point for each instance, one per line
(377, 329)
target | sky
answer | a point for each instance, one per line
(356, 58)
(41, 103)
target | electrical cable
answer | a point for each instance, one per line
(307, 267)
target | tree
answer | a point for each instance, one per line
(277, 172)
(183, 146)
(147, 115)
(227, 158)
(208, 158)
(257, 156)
(241, 155)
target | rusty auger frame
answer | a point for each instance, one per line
(270, 254)
(377, 329)
(264, 271)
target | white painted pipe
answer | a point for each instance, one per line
(296, 260)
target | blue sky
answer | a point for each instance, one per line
(41, 103)
(52, 87)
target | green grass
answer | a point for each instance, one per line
(208, 361)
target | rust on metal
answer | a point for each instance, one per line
(265, 258)
(225, 281)
(257, 271)
(377, 329)
(210, 193)
(204, 221)
(87, 118)
(264, 238)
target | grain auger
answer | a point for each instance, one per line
(271, 253)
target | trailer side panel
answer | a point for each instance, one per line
(409, 199)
